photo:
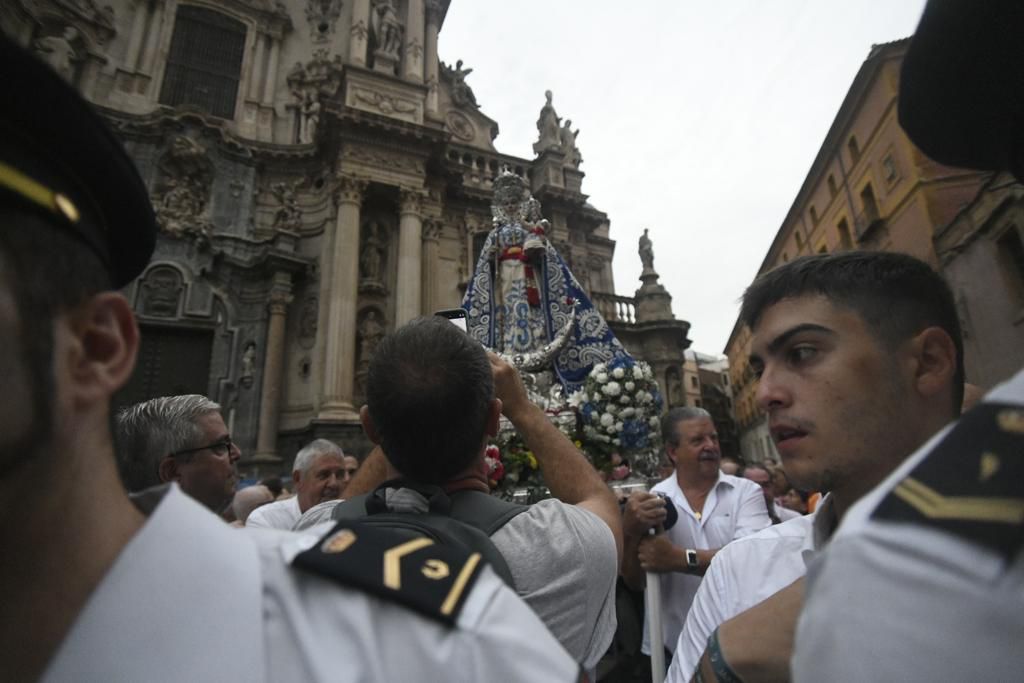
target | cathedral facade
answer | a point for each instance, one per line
(319, 177)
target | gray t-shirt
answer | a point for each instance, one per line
(564, 564)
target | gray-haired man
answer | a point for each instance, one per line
(319, 474)
(181, 439)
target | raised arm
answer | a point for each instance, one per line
(567, 472)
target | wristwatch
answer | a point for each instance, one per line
(691, 558)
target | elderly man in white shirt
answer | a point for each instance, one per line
(319, 474)
(714, 509)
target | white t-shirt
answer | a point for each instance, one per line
(193, 599)
(745, 573)
(281, 514)
(906, 601)
(734, 508)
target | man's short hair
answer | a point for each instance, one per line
(313, 451)
(753, 466)
(896, 295)
(429, 390)
(676, 415)
(146, 432)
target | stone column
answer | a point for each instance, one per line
(338, 287)
(255, 72)
(431, 257)
(410, 248)
(273, 361)
(360, 31)
(131, 58)
(153, 38)
(414, 42)
(430, 56)
(271, 75)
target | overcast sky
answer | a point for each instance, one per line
(698, 120)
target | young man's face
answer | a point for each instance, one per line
(832, 390)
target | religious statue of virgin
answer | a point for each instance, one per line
(524, 302)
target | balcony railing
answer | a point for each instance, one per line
(615, 308)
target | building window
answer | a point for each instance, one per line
(823, 249)
(844, 234)
(1010, 248)
(832, 189)
(854, 148)
(814, 216)
(799, 239)
(205, 61)
(785, 257)
(867, 197)
(889, 167)
(693, 382)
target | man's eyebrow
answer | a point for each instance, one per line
(775, 344)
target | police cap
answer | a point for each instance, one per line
(59, 157)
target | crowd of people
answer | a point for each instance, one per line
(887, 545)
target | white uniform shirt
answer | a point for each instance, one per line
(281, 514)
(745, 573)
(192, 599)
(734, 508)
(892, 601)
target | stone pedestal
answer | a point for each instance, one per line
(653, 302)
(385, 63)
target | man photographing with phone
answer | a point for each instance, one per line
(434, 398)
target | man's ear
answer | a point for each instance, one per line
(935, 356)
(493, 417)
(168, 470)
(104, 344)
(368, 427)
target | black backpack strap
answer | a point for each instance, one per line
(485, 512)
(431, 578)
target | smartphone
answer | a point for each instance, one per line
(457, 317)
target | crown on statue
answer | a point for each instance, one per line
(511, 201)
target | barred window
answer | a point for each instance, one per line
(205, 61)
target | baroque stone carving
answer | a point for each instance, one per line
(161, 292)
(396, 162)
(187, 178)
(460, 126)
(567, 144)
(556, 136)
(371, 332)
(462, 94)
(100, 22)
(322, 16)
(386, 104)
(62, 52)
(248, 365)
(288, 216)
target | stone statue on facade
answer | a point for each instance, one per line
(462, 94)
(387, 29)
(646, 251)
(248, 364)
(187, 177)
(372, 256)
(371, 331)
(567, 143)
(60, 53)
(310, 118)
(547, 126)
(289, 215)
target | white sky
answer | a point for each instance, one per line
(698, 120)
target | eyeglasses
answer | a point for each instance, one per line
(219, 448)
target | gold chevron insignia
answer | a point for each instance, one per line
(989, 465)
(934, 505)
(1011, 421)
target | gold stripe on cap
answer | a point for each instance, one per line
(934, 505)
(460, 584)
(40, 195)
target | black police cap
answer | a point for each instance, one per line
(962, 84)
(57, 155)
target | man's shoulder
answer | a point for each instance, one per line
(741, 485)
(556, 516)
(772, 538)
(280, 514)
(666, 485)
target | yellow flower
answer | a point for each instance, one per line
(579, 444)
(531, 459)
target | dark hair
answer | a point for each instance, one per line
(429, 389)
(896, 295)
(48, 271)
(274, 484)
(669, 420)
